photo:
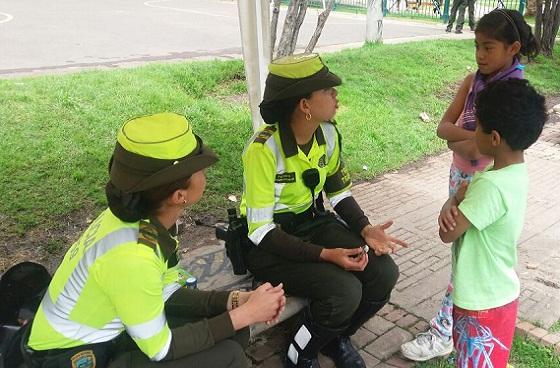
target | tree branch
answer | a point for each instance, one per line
(321, 20)
(274, 25)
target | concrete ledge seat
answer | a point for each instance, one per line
(212, 268)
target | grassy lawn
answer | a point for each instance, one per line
(525, 354)
(58, 131)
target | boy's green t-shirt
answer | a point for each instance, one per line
(485, 256)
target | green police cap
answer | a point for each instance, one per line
(157, 149)
(297, 75)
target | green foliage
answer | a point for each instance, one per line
(524, 354)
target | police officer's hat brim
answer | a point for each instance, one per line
(280, 88)
(133, 173)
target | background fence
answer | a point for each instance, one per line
(433, 9)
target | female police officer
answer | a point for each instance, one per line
(286, 166)
(122, 273)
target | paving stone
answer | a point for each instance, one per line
(551, 339)
(388, 344)
(395, 315)
(362, 337)
(420, 326)
(387, 308)
(407, 321)
(369, 359)
(523, 328)
(399, 362)
(378, 325)
(537, 334)
(325, 362)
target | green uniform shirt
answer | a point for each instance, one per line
(115, 277)
(273, 165)
(484, 258)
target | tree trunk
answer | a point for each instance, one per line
(302, 10)
(274, 25)
(321, 20)
(374, 21)
(547, 22)
(292, 23)
(531, 9)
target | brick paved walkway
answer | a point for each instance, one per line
(413, 197)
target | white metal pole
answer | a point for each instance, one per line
(374, 21)
(254, 22)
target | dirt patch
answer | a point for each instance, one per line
(47, 246)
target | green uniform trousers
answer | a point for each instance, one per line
(334, 293)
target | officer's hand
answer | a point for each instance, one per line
(349, 259)
(379, 241)
(265, 303)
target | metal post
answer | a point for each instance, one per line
(445, 16)
(254, 21)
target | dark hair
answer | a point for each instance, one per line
(514, 109)
(132, 207)
(280, 111)
(508, 26)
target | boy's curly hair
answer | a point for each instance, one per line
(514, 109)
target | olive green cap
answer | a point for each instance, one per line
(157, 149)
(297, 75)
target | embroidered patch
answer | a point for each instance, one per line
(83, 359)
(287, 177)
(147, 234)
(265, 134)
(322, 161)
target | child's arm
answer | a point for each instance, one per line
(449, 214)
(447, 129)
(461, 225)
(466, 149)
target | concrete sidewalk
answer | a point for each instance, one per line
(413, 197)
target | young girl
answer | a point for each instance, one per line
(501, 37)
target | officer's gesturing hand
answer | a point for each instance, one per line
(379, 241)
(349, 259)
(265, 304)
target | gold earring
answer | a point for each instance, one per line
(184, 201)
(307, 116)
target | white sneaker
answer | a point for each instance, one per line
(426, 346)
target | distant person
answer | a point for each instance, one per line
(501, 37)
(461, 5)
(487, 223)
(118, 297)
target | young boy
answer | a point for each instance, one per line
(486, 222)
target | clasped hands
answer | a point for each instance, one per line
(356, 259)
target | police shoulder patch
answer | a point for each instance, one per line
(83, 359)
(147, 234)
(264, 134)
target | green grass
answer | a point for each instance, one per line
(58, 131)
(555, 327)
(525, 354)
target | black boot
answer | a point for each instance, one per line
(365, 311)
(340, 349)
(306, 342)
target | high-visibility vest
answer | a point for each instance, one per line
(114, 278)
(272, 175)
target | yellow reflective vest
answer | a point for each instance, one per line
(272, 174)
(114, 278)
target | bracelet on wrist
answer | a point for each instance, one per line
(234, 299)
